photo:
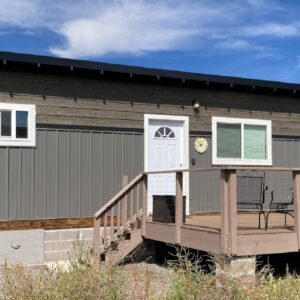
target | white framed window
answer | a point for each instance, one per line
(17, 125)
(241, 141)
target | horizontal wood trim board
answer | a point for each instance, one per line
(97, 104)
(128, 114)
(134, 116)
(160, 232)
(137, 107)
(200, 240)
(213, 169)
(267, 243)
(42, 84)
(79, 121)
(26, 82)
(286, 129)
(94, 116)
(216, 213)
(204, 116)
(52, 223)
(112, 105)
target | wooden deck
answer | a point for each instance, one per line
(247, 223)
(230, 232)
(203, 232)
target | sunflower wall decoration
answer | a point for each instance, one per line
(201, 145)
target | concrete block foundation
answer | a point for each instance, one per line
(59, 242)
(236, 267)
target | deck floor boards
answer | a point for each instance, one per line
(247, 223)
(203, 232)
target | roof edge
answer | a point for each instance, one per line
(158, 73)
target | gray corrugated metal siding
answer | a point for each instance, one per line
(71, 173)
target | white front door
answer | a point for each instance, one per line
(165, 152)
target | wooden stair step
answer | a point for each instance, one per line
(125, 247)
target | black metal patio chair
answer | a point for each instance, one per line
(282, 201)
(251, 192)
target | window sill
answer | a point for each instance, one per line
(16, 143)
(244, 162)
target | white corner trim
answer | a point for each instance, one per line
(186, 158)
(13, 141)
(242, 161)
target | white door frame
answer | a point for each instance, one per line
(185, 140)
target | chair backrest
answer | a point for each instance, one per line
(250, 189)
(282, 196)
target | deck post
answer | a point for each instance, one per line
(224, 212)
(125, 201)
(232, 211)
(296, 180)
(144, 208)
(97, 237)
(178, 206)
(228, 212)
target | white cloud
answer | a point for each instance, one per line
(130, 27)
(18, 12)
(234, 44)
(273, 30)
(244, 45)
(101, 27)
(135, 27)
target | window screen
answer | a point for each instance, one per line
(21, 124)
(229, 140)
(255, 141)
(5, 119)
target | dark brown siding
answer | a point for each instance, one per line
(93, 102)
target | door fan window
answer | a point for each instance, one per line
(164, 133)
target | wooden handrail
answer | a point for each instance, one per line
(119, 195)
(224, 168)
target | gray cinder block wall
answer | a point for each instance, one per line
(39, 246)
(59, 243)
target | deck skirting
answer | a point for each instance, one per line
(250, 242)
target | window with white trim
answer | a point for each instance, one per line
(17, 125)
(241, 141)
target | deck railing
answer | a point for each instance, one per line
(229, 211)
(121, 210)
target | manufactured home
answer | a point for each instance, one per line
(207, 162)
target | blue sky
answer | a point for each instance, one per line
(246, 38)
